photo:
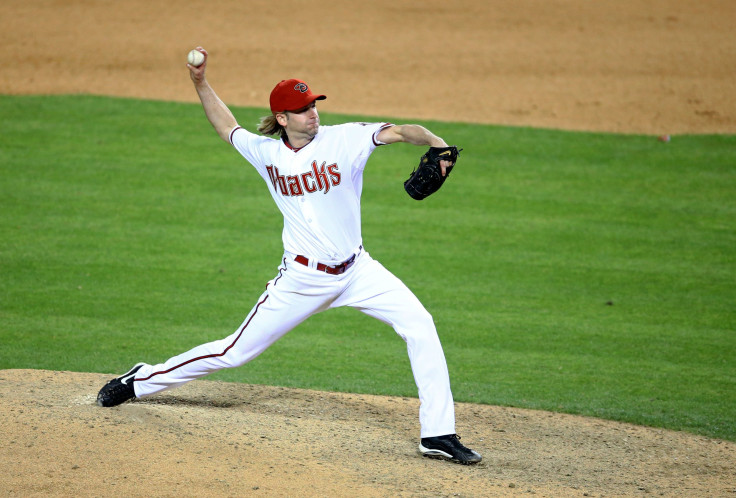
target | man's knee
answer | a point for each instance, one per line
(417, 322)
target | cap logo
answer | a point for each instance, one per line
(301, 87)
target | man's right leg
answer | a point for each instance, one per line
(283, 306)
(263, 326)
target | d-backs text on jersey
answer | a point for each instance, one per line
(319, 178)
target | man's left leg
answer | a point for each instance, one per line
(378, 293)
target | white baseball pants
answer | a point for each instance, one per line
(294, 295)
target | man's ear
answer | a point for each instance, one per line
(281, 118)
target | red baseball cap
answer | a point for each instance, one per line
(292, 95)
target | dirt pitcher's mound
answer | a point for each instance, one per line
(221, 439)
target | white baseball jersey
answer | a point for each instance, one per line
(322, 227)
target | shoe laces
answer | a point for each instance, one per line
(455, 439)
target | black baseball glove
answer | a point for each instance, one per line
(427, 178)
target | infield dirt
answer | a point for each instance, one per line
(657, 67)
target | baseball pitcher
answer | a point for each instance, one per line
(315, 176)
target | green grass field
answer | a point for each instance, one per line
(583, 273)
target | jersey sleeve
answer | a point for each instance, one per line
(363, 137)
(251, 146)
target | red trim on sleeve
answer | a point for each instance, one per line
(231, 134)
(376, 142)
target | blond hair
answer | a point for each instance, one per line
(269, 126)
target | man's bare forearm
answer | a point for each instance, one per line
(412, 134)
(215, 109)
(217, 112)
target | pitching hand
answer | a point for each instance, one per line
(197, 73)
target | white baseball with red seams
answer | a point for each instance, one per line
(318, 189)
(195, 58)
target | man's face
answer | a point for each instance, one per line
(303, 122)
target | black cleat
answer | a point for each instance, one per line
(118, 390)
(448, 448)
